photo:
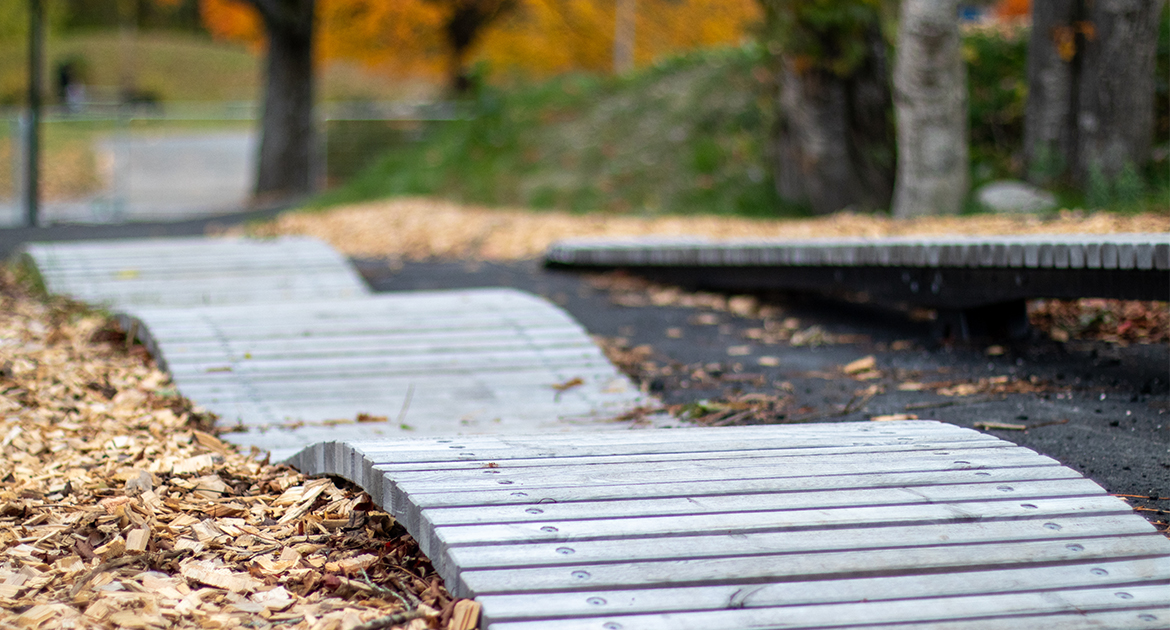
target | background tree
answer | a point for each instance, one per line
(930, 99)
(287, 136)
(1090, 110)
(834, 140)
(465, 21)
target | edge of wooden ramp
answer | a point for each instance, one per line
(881, 525)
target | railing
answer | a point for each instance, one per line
(112, 163)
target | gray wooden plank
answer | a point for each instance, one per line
(1021, 610)
(1069, 529)
(590, 603)
(757, 502)
(997, 608)
(828, 517)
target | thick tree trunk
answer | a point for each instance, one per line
(833, 142)
(930, 98)
(1115, 96)
(287, 137)
(1048, 132)
(1090, 105)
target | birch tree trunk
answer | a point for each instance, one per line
(930, 101)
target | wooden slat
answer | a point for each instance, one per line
(1011, 610)
(522, 607)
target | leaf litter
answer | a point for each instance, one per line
(120, 508)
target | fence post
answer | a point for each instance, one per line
(33, 129)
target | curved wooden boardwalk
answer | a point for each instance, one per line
(282, 338)
(852, 525)
(902, 524)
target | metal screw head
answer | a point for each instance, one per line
(1123, 595)
(982, 474)
(1148, 617)
(519, 494)
(1028, 506)
(581, 575)
(548, 528)
(1074, 547)
(565, 551)
(504, 482)
(534, 511)
(1005, 488)
(612, 625)
(596, 601)
(1052, 526)
(1099, 571)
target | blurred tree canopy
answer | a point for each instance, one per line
(532, 38)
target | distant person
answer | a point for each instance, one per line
(70, 89)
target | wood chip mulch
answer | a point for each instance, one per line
(418, 228)
(120, 508)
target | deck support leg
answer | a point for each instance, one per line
(1002, 320)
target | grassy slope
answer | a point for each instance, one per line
(686, 136)
(181, 67)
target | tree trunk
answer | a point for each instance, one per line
(1048, 133)
(930, 98)
(1090, 109)
(1115, 95)
(288, 135)
(832, 148)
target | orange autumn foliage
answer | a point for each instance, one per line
(553, 36)
(1013, 8)
(539, 38)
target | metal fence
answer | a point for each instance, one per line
(113, 163)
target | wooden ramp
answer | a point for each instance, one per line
(282, 338)
(875, 525)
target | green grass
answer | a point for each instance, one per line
(179, 66)
(687, 136)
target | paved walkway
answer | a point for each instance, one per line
(884, 525)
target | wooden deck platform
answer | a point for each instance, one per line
(283, 339)
(875, 525)
(945, 272)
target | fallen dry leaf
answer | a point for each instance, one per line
(863, 364)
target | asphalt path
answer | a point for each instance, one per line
(1101, 409)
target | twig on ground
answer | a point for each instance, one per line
(392, 620)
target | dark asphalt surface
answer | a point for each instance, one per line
(11, 238)
(1104, 410)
